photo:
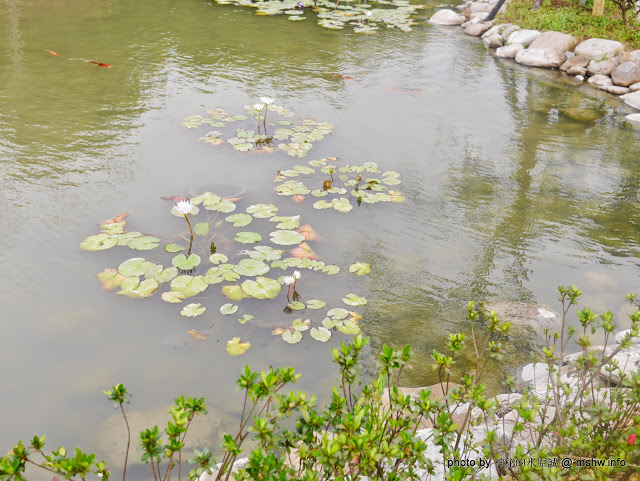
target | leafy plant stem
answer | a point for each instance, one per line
(126, 455)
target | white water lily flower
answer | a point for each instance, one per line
(368, 14)
(258, 106)
(266, 100)
(296, 275)
(184, 207)
(289, 280)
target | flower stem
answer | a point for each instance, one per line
(190, 230)
(264, 119)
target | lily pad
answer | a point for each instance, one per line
(144, 243)
(349, 327)
(353, 300)
(235, 347)
(172, 248)
(331, 269)
(265, 253)
(316, 304)
(262, 211)
(206, 198)
(321, 334)
(292, 337)
(342, 205)
(192, 310)
(98, 242)
(247, 237)
(228, 309)
(161, 275)
(300, 325)
(186, 263)
(134, 267)
(292, 222)
(172, 296)
(361, 268)
(338, 313)
(123, 239)
(286, 237)
(261, 288)
(110, 279)
(218, 258)
(225, 206)
(296, 305)
(189, 285)
(245, 318)
(201, 228)
(251, 267)
(234, 293)
(239, 220)
(133, 288)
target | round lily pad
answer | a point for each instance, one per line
(247, 237)
(349, 326)
(136, 266)
(361, 268)
(172, 296)
(331, 269)
(245, 318)
(300, 325)
(296, 305)
(265, 253)
(123, 239)
(292, 337)
(98, 242)
(251, 267)
(228, 308)
(161, 275)
(186, 263)
(261, 288)
(338, 313)
(321, 334)
(286, 237)
(234, 293)
(292, 222)
(172, 248)
(143, 243)
(316, 304)
(110, 279)
(192, 310)
(239, 220)
(224, 206)
(201, 228)
(353, 300)
(262, 211)
(189, 285)
(235, 347)
(134, 288)
(218, 258)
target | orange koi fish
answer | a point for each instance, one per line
(51, 52)
(344, 77)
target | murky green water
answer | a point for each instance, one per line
(507, 197)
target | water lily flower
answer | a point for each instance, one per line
(368, 14)
(289, 280)
(301, 5)
(296, 275)
(258, 107)
(266, 100)
(184, 207)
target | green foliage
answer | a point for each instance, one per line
(575, 20)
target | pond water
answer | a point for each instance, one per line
(507, 196)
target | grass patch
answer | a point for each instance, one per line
(569, 17)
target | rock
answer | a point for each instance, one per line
(532, 374)
(634, 57)
(600, 81)
(622, 334)
(633, 119)
(480, 7)
(575, 61)
(598, 48)
(580, 77)
(554, 41)
(446, 17)
(581, 115)
(524, 37)
(621, 366)
(495, 30)
(494, 41)
(239, 463)
(534, 317)
(635, 87)
(626, 74)
(537, 57)
(470, 22)
(480, 15)
(476, 29)
(510, 51)
(604, 67)
(509, 30)
(571, 359)
(633, 100)
(615, 90)
(576, 70)
(568, 55)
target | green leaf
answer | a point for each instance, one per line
(192, 310)
(172, 248)
(161, 275)
(207, 198)
(186, 263)
(189, 285)
(265, 253)
(201, 228)
(349, 327)
(316, 304)
(292, 222)
(354, 300)
(338, 313)
(286, 237)
(342, 205)
(234, 293)
(239, 220)
(123, 239)
(331, 269)
(321, 334)
(292, 337)
(235, 347)
(251, 267)
(247, 237)
(296, 305)
(172, 296)
(322, 204)
(300, 325)
(218, 258)
(136, 266)
(245, 318)
(224, 206)
(361, 268)
(143, 243)
(228, 309)
(98, 242)
(261, 288)
(110, 279)
(133, 288)
(262, 211)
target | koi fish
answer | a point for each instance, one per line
(174, 198)
(51, 52)
(105, 65)
(344, 77)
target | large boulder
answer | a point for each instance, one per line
(626, 74)
(476, 29)
(575, 61)
(598, 48)
(633, 100)
(554, 41)
(480, 7)
(523, 37)
(603, 67)
(599, 81)
(529, 317)
(633, 119)
(537, 57)
(510, 51)
(509, 29)
(493, 41)
(446, 17)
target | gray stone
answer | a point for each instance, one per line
(537, 57)
(604, 67)
(576, 70)
(495, 30)
(598, 48)
(575, 61)
(635, 87)
(615, 90)
(509, 30)
(580, 77)
(524, 37)
(510, 51)
(600, 81)
(569, 55)
(480, 7)
(581, 114)
(554, 41)
(626, 74)
(494, 41)
(446, 17)
(621, 366)
(476, 29)
(622, 334)
(532, 374)
(480, 15)
(535, 317)
(633, 119)
(629, 57)
(633, 100)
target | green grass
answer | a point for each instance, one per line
(573, 19)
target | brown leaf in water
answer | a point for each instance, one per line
(326, 185)
(309, 233)
(298, 199)
(197, 335)
(355, 316)
(110, 279)
(303, 251)
(277, 331)
(174, 198)
(115, 220)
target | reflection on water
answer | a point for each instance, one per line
(514, 184)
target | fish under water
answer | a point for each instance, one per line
(344, 77)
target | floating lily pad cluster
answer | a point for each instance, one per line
(251, 134)
(324, 178)
(211, 257)
(337, 15)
